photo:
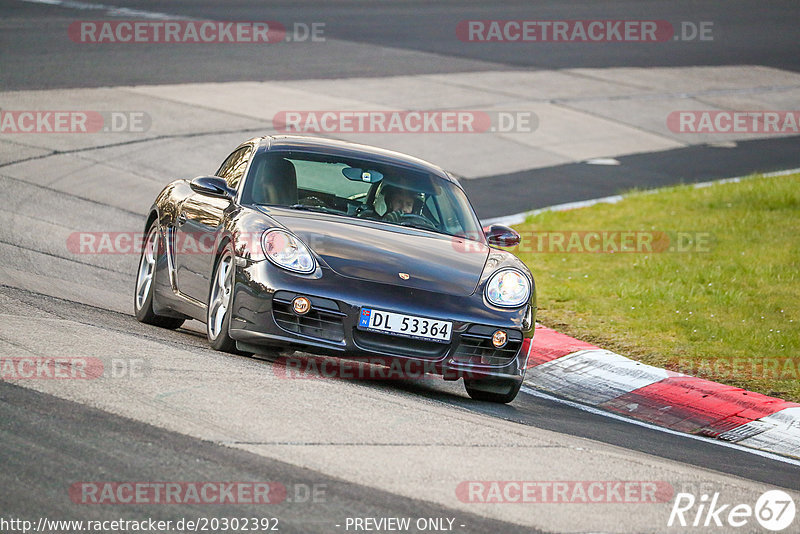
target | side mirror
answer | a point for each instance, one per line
(501, 236)
(212, 186)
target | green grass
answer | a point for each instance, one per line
(733, 300)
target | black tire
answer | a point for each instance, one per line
(493, 390)
(220, 293)
(145, 283)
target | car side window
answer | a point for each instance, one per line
(233, 168)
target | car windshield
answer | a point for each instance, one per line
(362, 189)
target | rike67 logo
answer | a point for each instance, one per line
(774, 510)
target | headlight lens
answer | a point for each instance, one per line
(508, 288)
(286, 251)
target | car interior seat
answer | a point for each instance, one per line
(276, 182)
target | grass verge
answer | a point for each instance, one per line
(704, 281)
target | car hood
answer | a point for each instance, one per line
(377, 252)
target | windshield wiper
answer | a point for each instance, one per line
(318, 209)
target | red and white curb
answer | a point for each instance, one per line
(579, 371)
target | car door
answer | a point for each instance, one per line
(198, 222)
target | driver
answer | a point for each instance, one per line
(399, 202)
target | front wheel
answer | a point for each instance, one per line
(219, 302)
(493, 390)
(145, 284)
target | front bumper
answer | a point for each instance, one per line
(261, 316)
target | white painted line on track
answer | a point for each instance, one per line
(597, 411)
(602, 161)
(518, 218)
(114, 11)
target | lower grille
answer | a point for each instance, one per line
(323, 321)
(476, 348)
(399, 346)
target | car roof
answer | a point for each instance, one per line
(321, 145)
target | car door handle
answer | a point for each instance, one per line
(181, 219)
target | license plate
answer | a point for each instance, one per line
(402, 325)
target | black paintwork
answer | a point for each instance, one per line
(358, 265)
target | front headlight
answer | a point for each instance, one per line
(508, 288)
(286, 251)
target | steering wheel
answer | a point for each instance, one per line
(414, 218)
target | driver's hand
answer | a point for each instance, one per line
(393, 216)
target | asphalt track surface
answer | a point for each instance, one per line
(573, 182)
(50, 441)
(748, 33)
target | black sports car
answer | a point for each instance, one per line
(343, 249)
